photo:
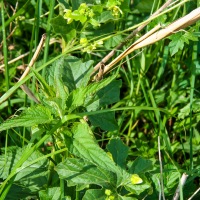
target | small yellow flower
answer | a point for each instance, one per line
(135, 179)
(83, 41)
(108, 192)
(110, 156)
(67, 15)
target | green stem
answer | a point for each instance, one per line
(18, 13)
(46, 49)
(6, 185)
(5, 53)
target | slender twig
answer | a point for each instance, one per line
(161, 170)
(112, 53)
(194, 193)
(183, 22)
(5, 53)
(181, 184)
(34, 58)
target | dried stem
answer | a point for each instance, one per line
(112, 53)
(177, 25)
(35, 56)
(161, 169)
(194, 193)
(181, 184)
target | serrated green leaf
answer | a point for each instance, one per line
(21, 192)
(119, 151)
(106, 121)
(84, 172)
(50, 194)
(56, 105)
(34, 175)
(191, 36)
(72, 71)
(185, 111)
(107, 95)
(178, 40)
(137, 189)
(94, 194)
(30, 117)
(84, 96)
(140, 165)
(76, 73)
(176, 44)
(85, 146)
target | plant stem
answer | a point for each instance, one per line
(5, 53)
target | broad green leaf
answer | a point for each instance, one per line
(119, 151)
(105, 96)
(144, 6)
(85, 146)
(21, 192)
(84, 172)
(105, 17)
(137, 189)
(72, 71)
(125, 5)
(84, 96)
(30, 117)
(106, 121)
(34, 175)
(50, 194)
(185, 111)
(61, 27)
(70, 37)
(94, 194)
(141, 165)
(113, 41)
(178, 41)
(76, 73)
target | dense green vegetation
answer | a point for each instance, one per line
(74, 125)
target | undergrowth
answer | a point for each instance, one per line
(132, 133)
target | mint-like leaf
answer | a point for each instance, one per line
(119, 151)
(84, 172)
(105, 121)
(30, 117)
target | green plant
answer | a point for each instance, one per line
(102, 136)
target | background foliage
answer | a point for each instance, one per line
(97, 139)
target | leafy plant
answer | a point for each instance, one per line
(128, 134)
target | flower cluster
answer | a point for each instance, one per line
(90, 47)
(83, 14)
(114, 6)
